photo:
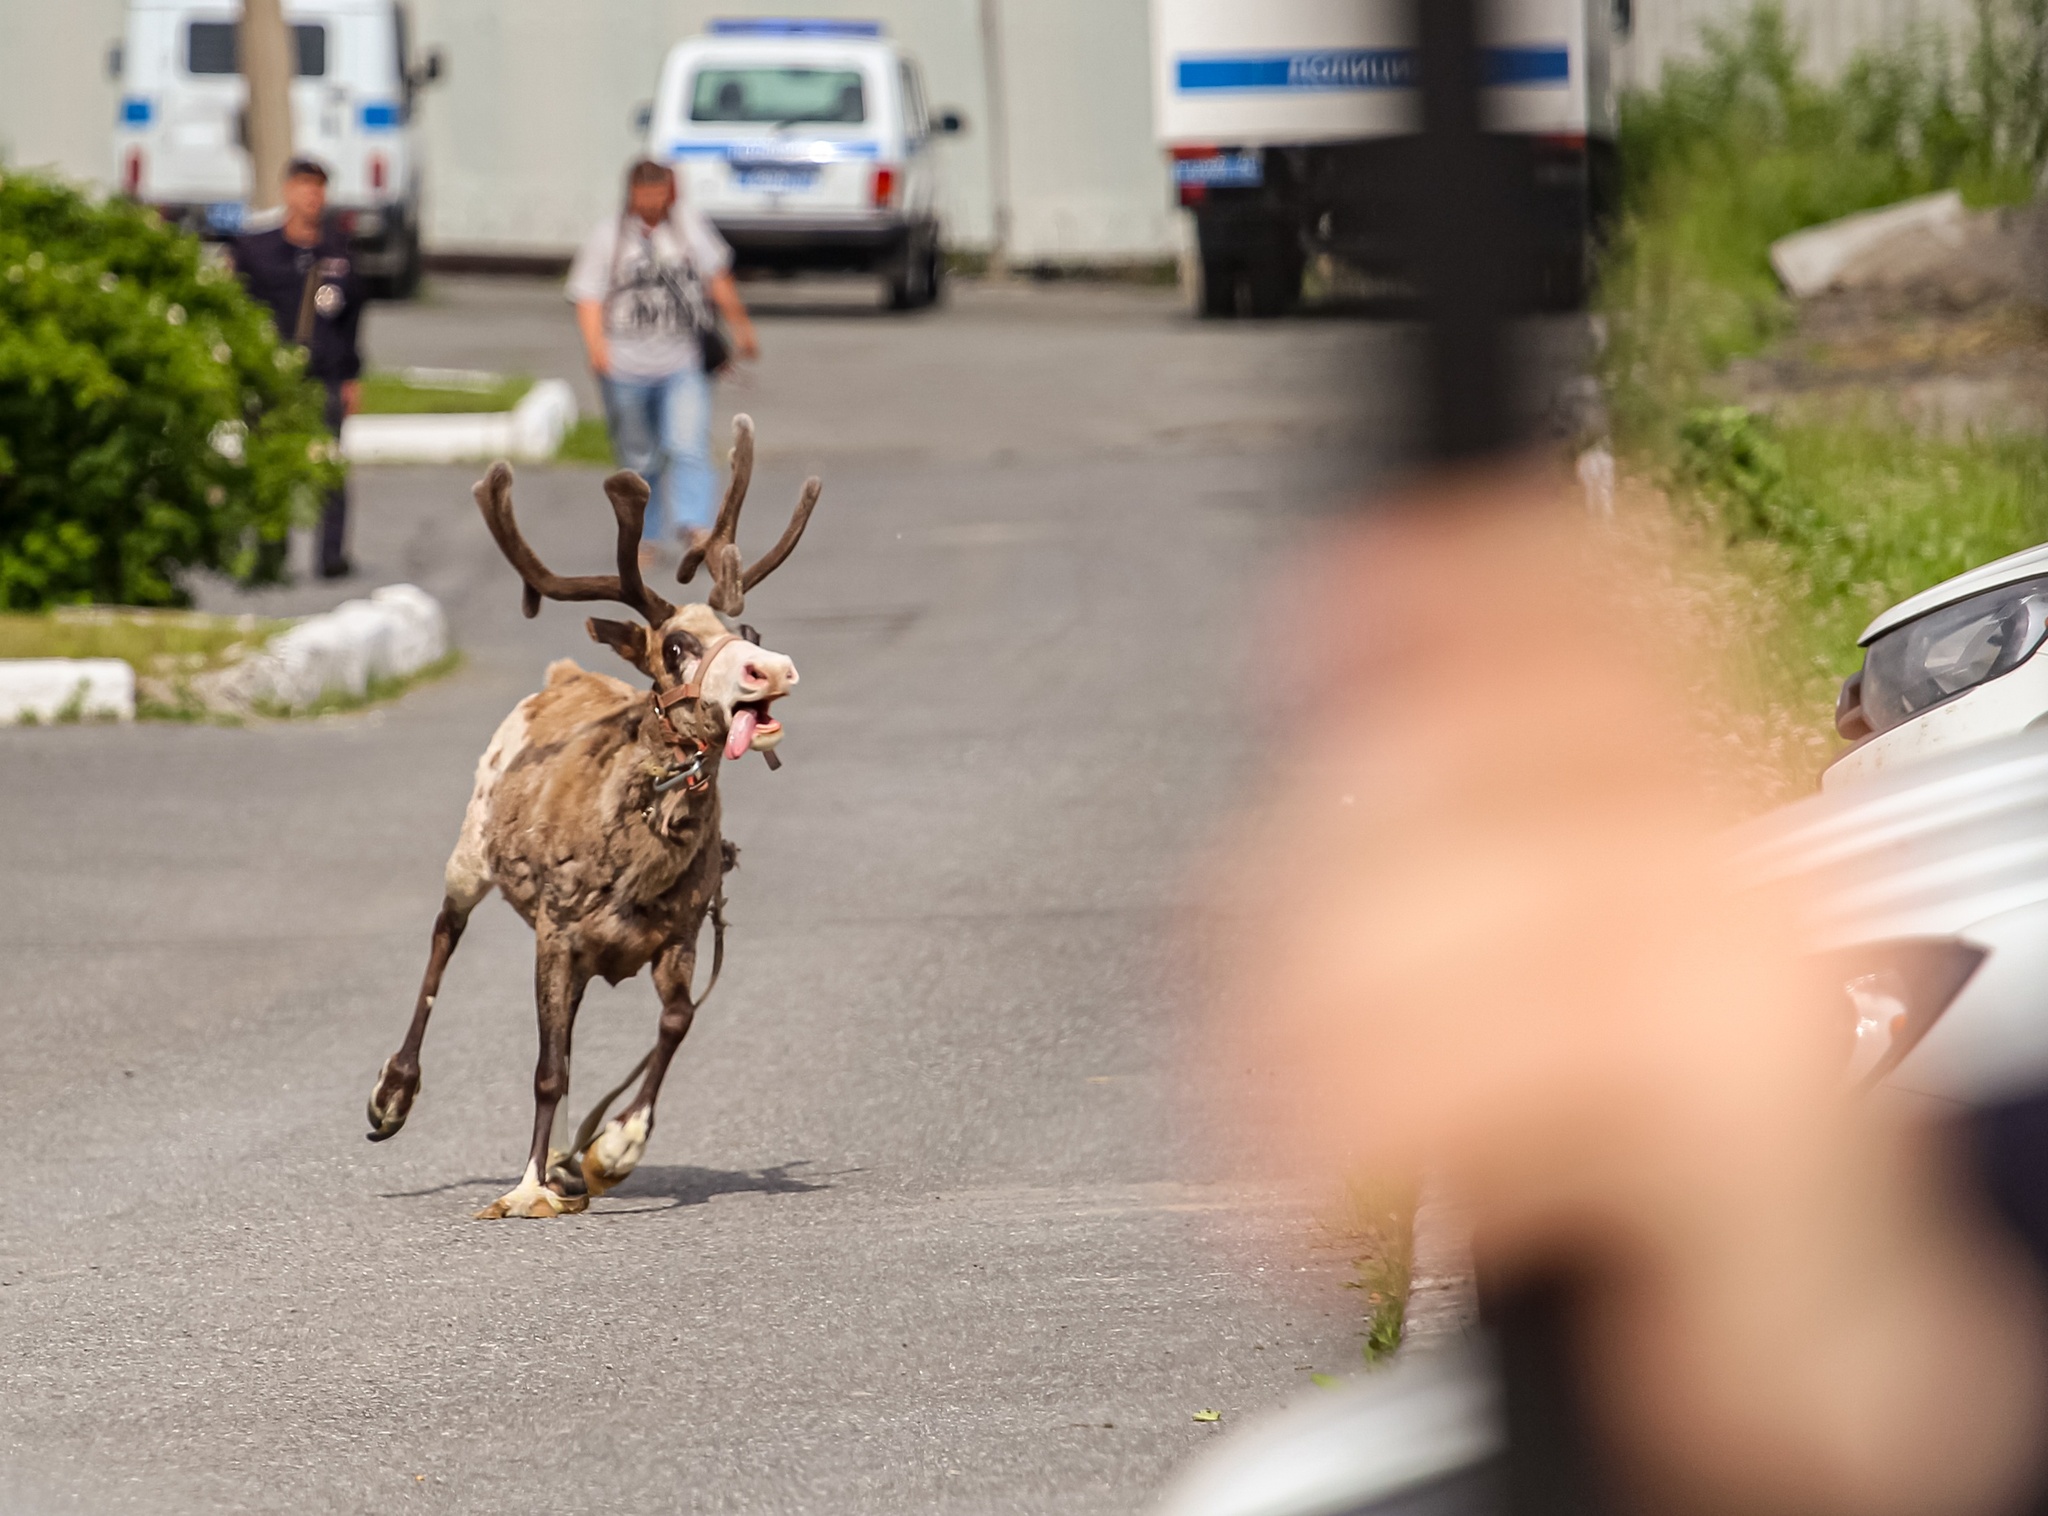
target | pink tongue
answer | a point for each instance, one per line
(741, 735)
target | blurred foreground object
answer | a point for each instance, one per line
(1950, 667)
(1500, 938)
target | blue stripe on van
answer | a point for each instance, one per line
(135, 111)
(380, 116)
(774, 150)
(1362, 68)
(1510, 66)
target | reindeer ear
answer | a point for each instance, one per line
(625, 638)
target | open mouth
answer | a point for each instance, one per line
(752, 728)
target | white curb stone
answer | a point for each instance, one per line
(399, 630)
(51, 689)
(532, 429)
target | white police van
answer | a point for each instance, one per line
(180, 143)
(810, 146)
(1292, 124)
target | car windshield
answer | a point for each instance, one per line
(213, 47)
(779, 96)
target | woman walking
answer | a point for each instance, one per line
(649, 286)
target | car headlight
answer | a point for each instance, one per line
(1893, 992)
(1936, 657)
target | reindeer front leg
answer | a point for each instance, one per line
(558, 990)
(617, 1150)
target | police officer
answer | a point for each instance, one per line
(302, 270)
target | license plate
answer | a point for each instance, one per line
(776, 179)
(1221, 171)
(226, 216)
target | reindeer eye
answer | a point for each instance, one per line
(677, 646)
(749, 634)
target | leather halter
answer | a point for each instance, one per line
(690, 751)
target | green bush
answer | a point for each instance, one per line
(1742, 147)
(151, 422)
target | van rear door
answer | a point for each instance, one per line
(765, 132)
(197, 156)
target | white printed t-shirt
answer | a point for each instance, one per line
(652, 287)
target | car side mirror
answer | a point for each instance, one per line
(643, 116)
(949, 123)
(114, 61)
(1850, 720)
(429, 70)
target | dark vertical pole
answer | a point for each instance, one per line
(1474, 244)
(1471, 239)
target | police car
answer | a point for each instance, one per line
(811, 146)
(178, 145)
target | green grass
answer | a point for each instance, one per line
(390, 394)
(150, 641)
(1379, 1225)
(588, 441)
(1837, 518)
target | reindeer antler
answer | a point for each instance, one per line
(718, 548)
(628, 494)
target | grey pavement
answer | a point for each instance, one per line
(928, 1223)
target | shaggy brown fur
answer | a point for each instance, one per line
(597, 817)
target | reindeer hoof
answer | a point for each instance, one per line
(564, 1176)
(532, 1201)
(615, 1153)
(391, 1101)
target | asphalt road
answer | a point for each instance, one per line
(927, 1224)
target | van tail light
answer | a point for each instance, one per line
(377, 172)
(885, 188)
(131, 173)
(1189, 186)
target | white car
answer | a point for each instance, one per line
(810, 146)
(179, 144)
(1952, 666)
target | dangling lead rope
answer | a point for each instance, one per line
(587, 1133)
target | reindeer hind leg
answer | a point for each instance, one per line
(559, 982)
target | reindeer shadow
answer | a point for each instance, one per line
(680, 1185)
(677, 1185)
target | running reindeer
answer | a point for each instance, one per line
(596, 814)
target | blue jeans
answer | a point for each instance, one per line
(661, 429)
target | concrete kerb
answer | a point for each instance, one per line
(533, 429)
(65, 689)
(398, 631)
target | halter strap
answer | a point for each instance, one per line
(695, 687)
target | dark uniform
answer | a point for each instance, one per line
(276, 271)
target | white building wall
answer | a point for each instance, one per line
(57, 102)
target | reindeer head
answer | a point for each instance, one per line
(690, 652)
